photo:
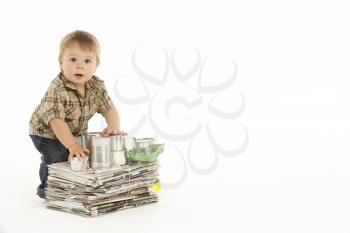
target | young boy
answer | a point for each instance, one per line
(72, 98)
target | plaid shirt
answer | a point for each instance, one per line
(62, 100)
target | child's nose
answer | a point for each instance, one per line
(78, 65)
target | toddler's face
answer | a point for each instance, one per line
(77, 65)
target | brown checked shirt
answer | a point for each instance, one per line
(63, 101)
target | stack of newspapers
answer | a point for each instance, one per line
(96, 192)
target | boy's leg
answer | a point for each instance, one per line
(52, 151)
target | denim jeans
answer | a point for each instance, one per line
(52, 151)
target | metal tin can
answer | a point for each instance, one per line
(79, 164)
(143, 144)
(100, 152)
(88, 139)
(117, 142)
(118, 157)
(129, 143)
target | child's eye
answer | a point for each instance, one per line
(87, 61)
(73, 59)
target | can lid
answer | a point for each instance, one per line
(94, 134)
(144, 140)
(116, 136)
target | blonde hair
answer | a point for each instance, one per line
(85, 40)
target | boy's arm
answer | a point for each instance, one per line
(112, 118)
(113, 122)
(63, 133)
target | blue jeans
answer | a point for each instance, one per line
(52, 151)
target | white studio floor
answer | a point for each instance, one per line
(245, 195)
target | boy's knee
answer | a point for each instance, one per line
(60, 158)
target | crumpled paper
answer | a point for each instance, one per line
(137, 156)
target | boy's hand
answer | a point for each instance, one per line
(77, 151)
(111, 131)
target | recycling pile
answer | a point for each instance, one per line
(115, 180)
(97, 192)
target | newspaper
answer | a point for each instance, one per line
(97, 192)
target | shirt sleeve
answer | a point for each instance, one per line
(105, 102)
(52, 107)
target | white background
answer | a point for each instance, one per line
(293, 59)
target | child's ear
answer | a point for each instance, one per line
(60, 62)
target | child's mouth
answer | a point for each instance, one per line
(78, 76)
